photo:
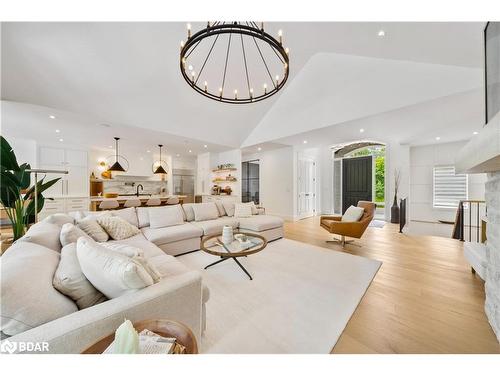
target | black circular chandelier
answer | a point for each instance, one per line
(234, 62)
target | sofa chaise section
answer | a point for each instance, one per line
(271, 227)
(176, 239)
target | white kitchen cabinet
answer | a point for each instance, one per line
(73, 184)
(63, 205)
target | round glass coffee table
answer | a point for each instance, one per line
(237, 248)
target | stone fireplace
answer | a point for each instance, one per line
(482, 155)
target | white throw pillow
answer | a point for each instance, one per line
(166, 216)
(229, 208)
(129, 214)
(44, 234)
(143, 217)
(137, 254)
(70, 233)
(93, 229)
(353, 214)
(118, 228)
(188, 211)
(220, 207)
(205, 211)
(70, 280)
(252, 205)
(242, 210)
(59, 219)
(28, 297)
(110, 272)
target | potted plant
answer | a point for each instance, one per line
(395, 207)
(16, 194)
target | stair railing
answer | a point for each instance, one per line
(468, 224)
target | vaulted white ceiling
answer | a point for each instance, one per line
(128, 74)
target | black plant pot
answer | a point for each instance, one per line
(395, 212)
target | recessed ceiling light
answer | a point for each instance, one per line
(52, 117)
(304, 141)
(60, 139)
(259, 148)
(148, 151)
(110, 146)
(177, 155)
(438, 138)
(205, 146)
(475, 133)
(361, 130)
(381, 33)
(58, 131)
(190, 151)
(141, 158)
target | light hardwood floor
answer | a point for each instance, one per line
(424, 298)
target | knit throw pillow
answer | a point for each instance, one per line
(118, 228)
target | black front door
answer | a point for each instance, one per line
(356, 181)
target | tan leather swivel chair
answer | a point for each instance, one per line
(349, 229)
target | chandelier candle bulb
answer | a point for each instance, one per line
(236, 94)
(251, 93)
(206, 86)
(189, 30)
(192, 76)
(182, 46)
(262, 26)
(265, 88)
(280, 35)
(277, 79)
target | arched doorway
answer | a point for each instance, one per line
(359, 174)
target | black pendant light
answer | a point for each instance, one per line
(160, 169)
(116, 167)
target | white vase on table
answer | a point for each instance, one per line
(227, 234)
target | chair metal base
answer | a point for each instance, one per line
(342, 241)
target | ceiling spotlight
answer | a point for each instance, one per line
(361, 130)
(58, 131)
(61, 140)
(190, 151)
(438, 138)
(475, 133)
(259, 148)
(381, 33)
(205, 146)
(148, 151)
(52, 117)
(177, 155)
(304, 142)
(110, 146)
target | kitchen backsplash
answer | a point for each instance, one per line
(130, 187)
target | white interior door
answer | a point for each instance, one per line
(306, 188)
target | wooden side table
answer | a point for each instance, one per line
(163, 327)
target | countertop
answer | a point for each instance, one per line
(141, 197)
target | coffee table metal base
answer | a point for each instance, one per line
(233, 258)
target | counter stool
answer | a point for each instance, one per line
(132, 203)
(109, 205)
(153, 202)
(172, 200)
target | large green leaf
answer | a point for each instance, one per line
(23, 176)
(41, 187)
(8, 159)
(9, 189)
(30, 209)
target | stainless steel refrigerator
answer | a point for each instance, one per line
(184, 183)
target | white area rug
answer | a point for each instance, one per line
(299, 301)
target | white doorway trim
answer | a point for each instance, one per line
(306, 187)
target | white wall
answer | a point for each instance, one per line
(25, 150)
(422, 161)
(277, 182)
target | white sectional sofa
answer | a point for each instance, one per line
(179, 295)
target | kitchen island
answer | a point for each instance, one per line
(96, 200)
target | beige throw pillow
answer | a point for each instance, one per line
(137, 254)
(352, 214)
(93, 229)
(28, 297)
(242, 210)
(70, 280)
(110, 272)
(129, 214)
(118, 228)
(70, 233)
(44, 234)
(229, 208)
